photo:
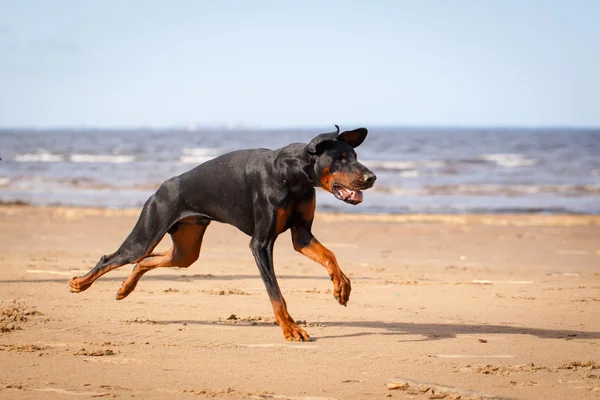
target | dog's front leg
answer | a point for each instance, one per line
(306, 244)
(262, 249)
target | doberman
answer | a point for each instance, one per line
(261, 192)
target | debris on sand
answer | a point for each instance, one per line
(303, 322)
(575, 365)
(252, 320)
(230, 393)
(315, 290)
(16, 386)
(226, 292)
(524, 297)
(95, 353)
(13, 315)
(503, 370)
(26, 348)
(567, 274)
(140, 321)
(436, 391)
(397, 385)
(209, 393)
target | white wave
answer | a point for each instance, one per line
(404, 192)
(402, 165)
(390, 165)
(194, 159)
(102, 158)
(4, 181)
(42, 156)
(509, 160)
(511, 190)
(201, 151)
(433, 164)
(198, 155)
(411, 173)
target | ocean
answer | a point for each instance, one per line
(419, 170)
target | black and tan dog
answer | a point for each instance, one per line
(262, 193)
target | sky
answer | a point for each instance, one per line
(130, 64)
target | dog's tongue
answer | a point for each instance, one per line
(350, 195)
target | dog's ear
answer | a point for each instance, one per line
(353, 138)
(317, 145)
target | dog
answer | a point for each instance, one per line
(261, 192)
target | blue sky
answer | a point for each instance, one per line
(299, 64)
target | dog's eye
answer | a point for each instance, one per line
(342, 157)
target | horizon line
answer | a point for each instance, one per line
(251, 127)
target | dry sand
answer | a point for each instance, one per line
(468, 305)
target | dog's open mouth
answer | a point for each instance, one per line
(347, 195)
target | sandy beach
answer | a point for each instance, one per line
(463, 306)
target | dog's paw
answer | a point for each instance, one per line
(121, 294)
(341, 287)
(125, 290)
(76, 285)
(293, 333)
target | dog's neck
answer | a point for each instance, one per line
(310, 170)
(307, 175)
(298, 168)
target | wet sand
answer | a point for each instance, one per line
(478, 306)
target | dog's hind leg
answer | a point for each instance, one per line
(187, 240)
(146, 234)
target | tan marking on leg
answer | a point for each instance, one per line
(78, 284)
(305, 211)
(81, 283)
(291, 331)
(319, 253)
(282, 218)
(148, 253)
(187, 241)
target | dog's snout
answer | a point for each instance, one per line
(369, 178)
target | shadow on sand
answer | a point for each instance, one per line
(176, 278)
(181, 278)
(428, 331)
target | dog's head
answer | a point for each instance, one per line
(336, 166)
